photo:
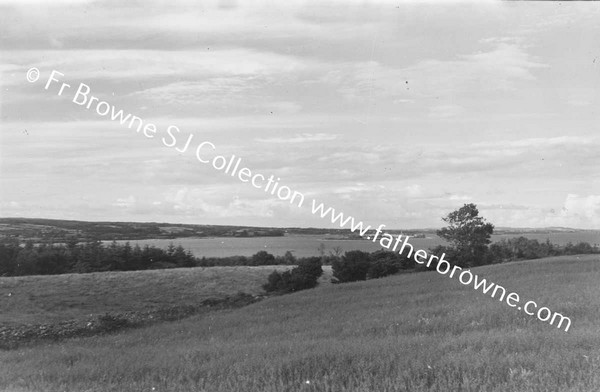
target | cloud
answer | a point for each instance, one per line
(414, 190)
(445, 111)
(136, 64)
(577, 211)
(127, 202)
(388, 112)
(499, 69)
(299, 138)
(583, 208)
(199, 203)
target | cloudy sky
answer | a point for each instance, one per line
(395, 112)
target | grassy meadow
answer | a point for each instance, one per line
(412, 332)
(52, 298)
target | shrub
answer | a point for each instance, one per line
(303, 277)
(262, 258)
(353, 266)
(383, 264)
(580, 248)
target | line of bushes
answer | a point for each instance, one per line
(302, 277)
(94, 256)
(357, 265)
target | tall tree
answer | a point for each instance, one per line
(469, 235)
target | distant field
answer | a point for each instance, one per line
(415, 332)
(304, 245)
(45, 299)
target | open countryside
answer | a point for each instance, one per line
(415, 332)
(299, 196)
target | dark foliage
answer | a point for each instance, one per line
(262, 258)
(353, 266)
(304, 276)
(384, 263)
(92, 256)
(521, 248)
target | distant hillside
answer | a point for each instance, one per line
(58, 230)
(54, 230)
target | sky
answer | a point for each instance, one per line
(394, 112)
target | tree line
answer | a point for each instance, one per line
(469, 244)
(91, 256)
(94, 256)
(467, 234)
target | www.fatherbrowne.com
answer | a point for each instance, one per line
(465, 276)
(271, 185)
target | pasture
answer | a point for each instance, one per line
(413, 332)
(53, 298)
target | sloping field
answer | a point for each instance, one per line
(415, 332)
(46, 299)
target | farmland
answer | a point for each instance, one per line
(37, 299)
(415, 332)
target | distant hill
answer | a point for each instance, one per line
(55, 230)
(58, 230)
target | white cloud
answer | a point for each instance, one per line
(126, 202)
(136, 64)
(583, 208)
(445, 111)
(299, 138)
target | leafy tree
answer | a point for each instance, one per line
(468, 234)
(310, 267)
(262, 258)
(353, 266)
(289, 258)
(383, 263)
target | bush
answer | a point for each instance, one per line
(353, 266)
(383, 264)
(262, 258)
(580, 248)
(303, 277)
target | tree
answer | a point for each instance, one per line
(468, 234)
(353, 266)
(289, 258)
(262, 257)
(383, 263)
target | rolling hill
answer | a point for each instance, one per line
(417, 332)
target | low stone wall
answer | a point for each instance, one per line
(15, 336)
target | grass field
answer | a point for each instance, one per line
(414, 332)
(43, 299)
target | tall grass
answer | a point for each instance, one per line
(416, 332)
(52, 298)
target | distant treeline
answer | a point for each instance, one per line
(522, 248)
(93, 256)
